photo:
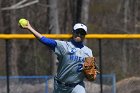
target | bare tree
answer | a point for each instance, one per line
(85, 11)
(53, 27)
(9, 22)
(124, 51)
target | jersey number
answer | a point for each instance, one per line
(80, 67)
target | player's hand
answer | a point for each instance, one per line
(28, 26)
(24, 23)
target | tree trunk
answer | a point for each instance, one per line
(124, 47)
(9, 20)
(13, 56)
(85, 11)
(53, 17)
(53, 27)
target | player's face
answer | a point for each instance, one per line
(79, 35)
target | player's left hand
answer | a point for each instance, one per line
(89, 68)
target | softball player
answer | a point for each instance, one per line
(71, 54)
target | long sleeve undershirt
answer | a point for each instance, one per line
(49, 42)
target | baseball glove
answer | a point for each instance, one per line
(89, 68)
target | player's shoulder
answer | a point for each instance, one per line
(65, 44)
(87, 48)
(87, 51)
(60, 41)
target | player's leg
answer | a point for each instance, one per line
(60, 88)
(78, 89)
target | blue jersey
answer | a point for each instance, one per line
(70, 59)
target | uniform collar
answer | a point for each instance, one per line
(77, 44)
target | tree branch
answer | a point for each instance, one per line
(19, 5)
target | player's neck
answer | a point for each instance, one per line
(77, 44)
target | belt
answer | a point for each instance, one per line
(68, 84)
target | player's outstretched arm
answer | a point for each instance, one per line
(32, 30)
(49, 42)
